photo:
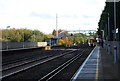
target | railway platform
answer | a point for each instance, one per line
(99, 66)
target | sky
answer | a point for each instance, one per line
(41, 14)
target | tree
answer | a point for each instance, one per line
(47, 36)
(54, 32)
(37, 36)
(20, 35)
(61, 42)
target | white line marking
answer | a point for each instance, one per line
(81, 67)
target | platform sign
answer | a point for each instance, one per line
(117, 30)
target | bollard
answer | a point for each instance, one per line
(103, 45)
(109, 49)
(106, 46)
(115, 54)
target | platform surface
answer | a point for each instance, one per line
(97, 67)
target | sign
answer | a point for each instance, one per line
(117, 30)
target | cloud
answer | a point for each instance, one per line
(41, 14)
(69, 16)
(88, 16)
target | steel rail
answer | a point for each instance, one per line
(25, 68)
(26, 62)
(60, 68)
(18, 60)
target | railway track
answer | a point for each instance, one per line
(18, 60)
(25, 56)
(68, 69)
(22, 62)
(26, 60)
(60, 68)
(48, 68)
(8, 71)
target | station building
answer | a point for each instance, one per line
(52, 41)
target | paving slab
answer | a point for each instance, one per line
(99, 66)
(91, 68)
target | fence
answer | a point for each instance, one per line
(110, 46)
(16, 45)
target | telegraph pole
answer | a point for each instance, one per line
(56, 26)
(56, 29)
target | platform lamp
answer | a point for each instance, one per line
(7, 36)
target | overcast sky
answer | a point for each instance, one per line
(41, 14)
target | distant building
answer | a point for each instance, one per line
(52, 41)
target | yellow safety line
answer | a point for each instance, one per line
(97, 67)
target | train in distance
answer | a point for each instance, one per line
(91, 42)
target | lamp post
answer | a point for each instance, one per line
(115, 47)
(108, 37)
(103, 29)
(108, 33)
(7, 36)
(108, 26)
(115, 19)
(102, 40)
(23, 39)
(43, 37)
(102, 34)
(108, 17)
(34, 38)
